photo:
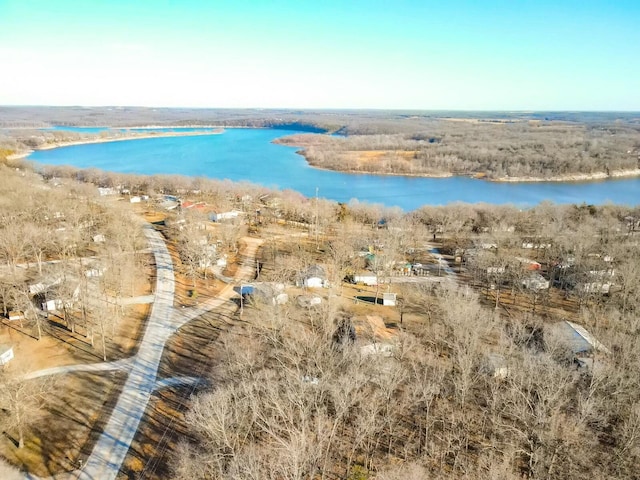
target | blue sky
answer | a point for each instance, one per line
(465, 55)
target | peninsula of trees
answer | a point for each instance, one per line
(496, 150)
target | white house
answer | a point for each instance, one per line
(495, 270)
(56, 304)
(104, 191)
(535, 246)
(216, 217)
(52, 305)
(222, 261)
(535, 282)
(6, 354)
(94, 272)
(366, 278)
(168, 204)
(43, 286)
(594, 287)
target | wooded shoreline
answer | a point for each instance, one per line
(574, 177)
(62, 144)
(495, 146)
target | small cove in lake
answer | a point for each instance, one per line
(246, 154)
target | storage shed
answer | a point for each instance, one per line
(6, 353)
(389, 299)
(16, 315)
(314, 277)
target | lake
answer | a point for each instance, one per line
(243, 154)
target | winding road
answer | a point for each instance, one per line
(110, 450)
(109, 453)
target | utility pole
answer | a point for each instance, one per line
(317, 244)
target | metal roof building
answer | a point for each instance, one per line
(577, 338)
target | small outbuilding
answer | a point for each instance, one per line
(270, 293)
(308, 301)
(389, 299)
(6, 353)
(15, 315)
(314, 277)
(495, 365)
(246, 289)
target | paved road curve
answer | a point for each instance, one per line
(111, 448)
(109, 453)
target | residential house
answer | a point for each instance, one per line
(105, 191)
(217, 217)
(529, 264)
(365, 278)
(535, 282)
(581, 343)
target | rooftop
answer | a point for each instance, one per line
(578, 338)
(4, 348)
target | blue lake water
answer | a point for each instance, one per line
(249, 155)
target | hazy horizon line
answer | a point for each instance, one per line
(328, 109)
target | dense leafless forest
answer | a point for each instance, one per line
(476, 382)
(469, 375)
(493, 149)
